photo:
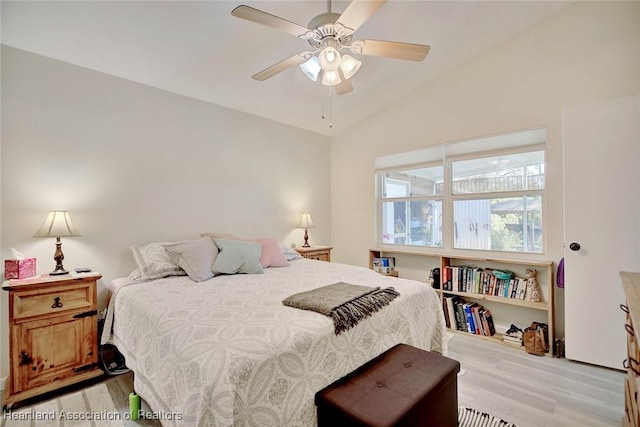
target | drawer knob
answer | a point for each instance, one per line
(56, 303)
(629, 329)
(632, 364)
(25, 359)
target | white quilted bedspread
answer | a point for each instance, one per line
(227, 352)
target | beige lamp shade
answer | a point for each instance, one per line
(306, 221)
(57, 224)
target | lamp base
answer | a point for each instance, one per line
(306, 239)
(58, 272)
(58, 257)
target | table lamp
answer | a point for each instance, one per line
(306, 222)
(58, 224)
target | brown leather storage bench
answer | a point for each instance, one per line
(404, 386)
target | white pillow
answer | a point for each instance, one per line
(153, 261)
(290, 254)
(196, 257)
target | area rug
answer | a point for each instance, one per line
(91, 406)
(468, 417)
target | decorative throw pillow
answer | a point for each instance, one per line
(153, 261)
(237, 256)
(272, 255)
(290, 254)
(196, 257)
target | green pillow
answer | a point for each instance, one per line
(237, 256)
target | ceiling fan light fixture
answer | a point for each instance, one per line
(331, 78)
(311, 68)
(329, 59)
(349, 66)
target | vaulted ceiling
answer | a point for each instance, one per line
(198, 49)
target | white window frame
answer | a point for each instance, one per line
(445, 154)
(381, 200)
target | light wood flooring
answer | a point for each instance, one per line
(533, 391)
(527, 390)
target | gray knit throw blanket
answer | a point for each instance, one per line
(345, 303)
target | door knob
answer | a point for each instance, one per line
(574, 246)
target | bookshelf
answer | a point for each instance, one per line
(501, 308)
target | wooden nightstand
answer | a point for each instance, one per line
(53, 334)
(321, 253)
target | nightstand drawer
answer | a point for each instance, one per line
(320, 256)
(319, 253)
(54, 300)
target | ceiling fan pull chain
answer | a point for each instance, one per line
(330, 109)
(322, 100)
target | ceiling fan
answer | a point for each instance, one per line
(329, 34)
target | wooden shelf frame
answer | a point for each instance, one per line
(545, 276)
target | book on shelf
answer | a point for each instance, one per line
(384, 261)
(445, 308)
(384, 265)
(450, 311)
(461, 316)
(469, 317)
(471, 327)
(475, 310)
(490, 325)
(446, 279)
(475, 280)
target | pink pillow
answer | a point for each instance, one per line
(272, 255)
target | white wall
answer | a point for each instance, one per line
(135, 164)
(4, 328)
(587, 52)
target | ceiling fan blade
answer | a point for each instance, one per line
(358, 12)
(344, 86)
(259, 17)
(296, 59)
(389, 49)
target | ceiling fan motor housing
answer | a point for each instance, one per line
(325, 32)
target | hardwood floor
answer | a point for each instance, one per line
(119, 387)
(533, 391)
(527, 390)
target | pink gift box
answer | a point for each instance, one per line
(19, 268)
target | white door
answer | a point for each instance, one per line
(602, 216)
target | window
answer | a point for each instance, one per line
(412, 207)
(483, 195)
(497, 202)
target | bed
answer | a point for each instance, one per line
(226, 351)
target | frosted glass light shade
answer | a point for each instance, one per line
(311, 68)
(349, 66)
(331, 78)
(329, 59)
